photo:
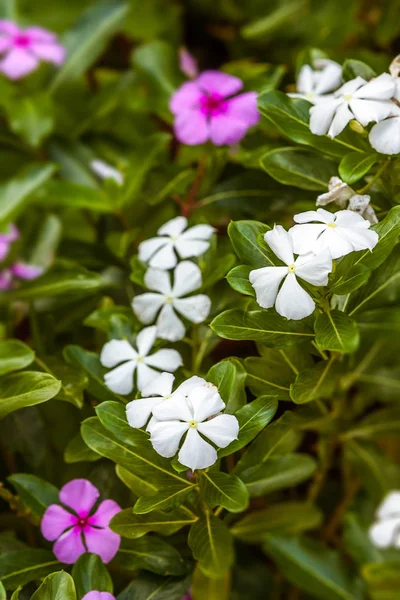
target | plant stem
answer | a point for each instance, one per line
(375, 178)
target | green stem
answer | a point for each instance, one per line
(375, 178)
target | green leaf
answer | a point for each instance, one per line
(73, 195)
(212, 589)
(31, 117)
(349, 278)
(87, 40)
(212, 545)
(317, 382)
(252, 417)
(311, 566)
(132, 526)
(112, 416)
(282, 518)
(152, 554)
(37, 494)
(355, 68)
(14, 355)
(3, 592)
(378, 424)
(89, 573)
(355, 165)
(299, 167)
(15, 595)
(222, 489)
(278, 473)
(238, 279)
(77, 451)
(22, 566)
(19, 390)
(229, 376)
(383, 580)
(153, 587)
(137, 485)
(261, 326)
(269, 375)
(245, 237)
(17, 192)
(57, 586)
(165, 499)
(337, 332)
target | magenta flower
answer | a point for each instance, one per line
(6, 239)
(18, 270)
(22, 50)
(207, 109)
(81, 532)
(95, 595)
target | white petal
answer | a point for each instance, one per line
(187, 386)
(116, 351)
(382, 534)
(336, 244)
(198, 232)
(390, 506)
(292, 301)
(165, 258)
(174, 408)
(314, 268)
(305, 80)
(379, 88)
(350, 86)
(348, 218)
(189, 248)
(266, 282)
(145, 340)
(138, 411)
(305, 237)
(146, 306)
(166, 437)
(149, 247)
(195, 308)
(385, 136)
(174, 227)
(366, 111)
(187, 278)
(153, 421)
(161, 386)
(120, 379)
(169, 326)
(145, 375)
(221, 430)
(321, 116)
(165, 360)
(106, 171)
(330, 79)
(158, 280)
(205, 402)
(342, 116)
(321, 215)
(360, 239)
(281, 244)
(196, 453)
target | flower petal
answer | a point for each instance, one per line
(174, 409)
(116, 351)
(56, 520)
(219, 82)
(314, 268)
(165, 360)
(330, 78)
(17, 63)
(69, 546)
(9, 27)
(322, 114)
(221, 430)
(166, 437)
(379, 88)
(95, 595)
(174, 227)
(351, 219)
(186, 97)
(385, 136)
(195, 308)
(382, 534)
(187, 278)
(198, 232)
(266, 282)
(49, 52)
(336, 244)
(149, 247)
(145, 375)
(244, 108)
(360, 239)
(138, 412)
(305, 80)
(349, 87)
(169, 326)
(280, 242)
(26, 272)
(161, 386)
(103, 542)
(205, 401)
(105, 512)
(187, 63)
(305, 237)
(80, 495)
(191, 127)
(196, 453)
(38, 34)
(145, 340)
(165, 258)
(390, 507)
(342, 116)
(146, 306)
(321, 215)
(292, 301)
(120, 379)
(187, 386)
(366, 111)
(158, 280)
(227, 130)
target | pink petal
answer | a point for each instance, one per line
(38, 34)
(103, 542)
(69, 546)
(80, 495)
(56, 520)
(6, 279)
(50, 52)
(186, 97)
(221, 83)
(17, 63)
(11, 235)
(103, 515)
(9, 27)
(4, 248)
(24, 271)
(227, 130)
(187, 63)
(98, 596)
(244, 108)
(5, 43)
(191, 128)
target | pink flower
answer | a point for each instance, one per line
(188, 63)
(95, 595)
(6, 239)
(81, 532)
(23, 49)
(206, 109)
(18, 270)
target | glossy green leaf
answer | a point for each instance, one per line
(14, 355)
(229, 376)
(337, 332)
(272, 375)
(57, 586)
(3, 592)
(152, 554)
(383, 580)
(90, 363)
(212, 545)
(132, 526)
(349, 278)
(355, 165)
(166, 498)
(278, 473)
(36, 493)
(245, 237)
(31, 117)
(206, 587)
(299, 167)
(152, 587)
(22, 566)
(223, 489)
(356, 68)
(238, 279)
(90, 573)
(19, 390)
(77, 451)
(317, 382)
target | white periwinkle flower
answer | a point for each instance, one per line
(341, 233)
(290, 301)
(106, 171)
(314, 84)
(356, 99)
(193, 416)
(159, 389)
(384, 137)
(171, 299)
(385, 532)
(129, 360)
(174, 238)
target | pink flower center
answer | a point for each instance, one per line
(213, 104)
(21, 40)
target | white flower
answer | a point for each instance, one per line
(159, 389)
(159, 252)
(190, 416)
(356, 99)
(106, 171)
(290, 301)
(313, 84)
(187, 279)
(386, 531)
(339, 193)
(120, 352)
(342, 232)
(384, 137)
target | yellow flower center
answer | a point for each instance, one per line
(193, 424)
(347, 97)
(332, 225)
(169, 299)
(139, 359)
(291, 268)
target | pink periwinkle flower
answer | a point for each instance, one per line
(207, 109)
(95, 595)
(6, 239)
(80, 532)
(22, 50)
(188, 63)
(18, 270)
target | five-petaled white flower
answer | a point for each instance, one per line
(171, 298)
(290, 301)
(315, 84)
(193, 416)
(159, 389)
(356, 99)
(342, 232)
(160, 252)
(385, 532)
(129, 360)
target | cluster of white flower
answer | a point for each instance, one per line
(340, 193)
(319, 237)
(374, 101)
(385, 532)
